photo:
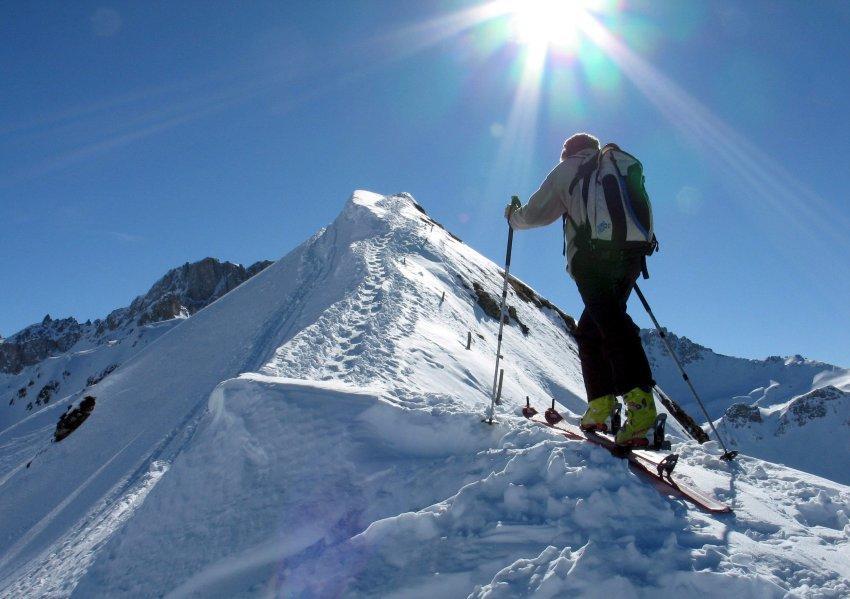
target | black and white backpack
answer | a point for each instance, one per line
(617, 207)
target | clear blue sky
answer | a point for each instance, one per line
(136, 136)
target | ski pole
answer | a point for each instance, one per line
(492, 410)
(727, 455)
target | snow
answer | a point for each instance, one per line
(317, 432)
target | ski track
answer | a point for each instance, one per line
(56, 574)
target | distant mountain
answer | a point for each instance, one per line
(37, 342)
(811, 432)
(61, 357)
(726, 380)
(183, 291)
(790, 410)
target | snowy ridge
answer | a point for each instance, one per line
(316, 432)
(787, 410)
(726, 380)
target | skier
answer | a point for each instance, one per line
(612, 358)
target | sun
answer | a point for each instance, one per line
(547, 22)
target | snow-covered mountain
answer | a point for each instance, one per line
(49, 364)
(317, 432)
(790, 410)
(810, 432)
(725, 380)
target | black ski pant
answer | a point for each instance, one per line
(612, 358)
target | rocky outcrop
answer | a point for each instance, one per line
(741, 414)
(809, 407)
(687, 351)
(37, 342)
(183, 291)
(491, 308)
(527, 294)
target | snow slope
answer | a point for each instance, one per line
(316, 432)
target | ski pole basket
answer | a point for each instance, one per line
(552, 416)
(528, 411)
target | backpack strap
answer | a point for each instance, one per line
(585, 170)
(584, 173)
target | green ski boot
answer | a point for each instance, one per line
(640, 416)
(598, 411)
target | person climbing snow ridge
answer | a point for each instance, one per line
(608, 233)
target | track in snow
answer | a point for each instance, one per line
(357, 339)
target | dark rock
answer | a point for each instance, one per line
(491, 307)
(46, 393)
(528, 295)
(185, 290)
(258, 267)
(95, 379)
(486, 301)
(73, 418)
(512, 315)
(37, 342)
(687, 351)
(810, 406)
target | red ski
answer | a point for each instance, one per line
(658, 466)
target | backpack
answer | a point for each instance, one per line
(617, 207)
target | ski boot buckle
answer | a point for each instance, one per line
(658, 440)
(616, 418)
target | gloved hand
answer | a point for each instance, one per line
(515, 203)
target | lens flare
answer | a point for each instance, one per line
(547, 22)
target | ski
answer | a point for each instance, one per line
(657, 466)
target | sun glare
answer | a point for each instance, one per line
(547, 22)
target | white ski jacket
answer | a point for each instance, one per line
(553, 200)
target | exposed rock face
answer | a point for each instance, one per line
(181, 292)
(527, 294)
(810, 406)
(491, 308)
(740, 413)
(37, 342)
(687, 351)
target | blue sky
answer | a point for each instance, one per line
(137, 136)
